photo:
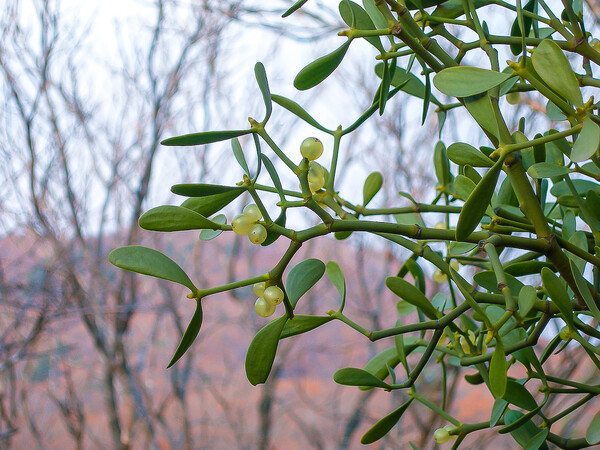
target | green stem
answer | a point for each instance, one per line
(342, 318)
(511, 307)
(201, 293)
(337, 136)
(510, 148)
(529, 342)
(533, 211)
(441, 323)
(261, 187)
(354, 33)
(440, 412)
(263, 134)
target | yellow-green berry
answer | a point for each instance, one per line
(441, 436)
(316, 176)
(566, 334)
(449, 428)
(263, 308)
(252, 212)
(273, 295)
(311, 148)
(259, 288)
(257, 234)
(241, 224)
(439, 276)
(513, 98)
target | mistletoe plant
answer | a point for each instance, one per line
(522, 215)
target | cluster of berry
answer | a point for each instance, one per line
(311, 148)
(247, 223)
(268, 298)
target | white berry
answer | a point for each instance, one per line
(257, 234)
(252, 212)
(273, 295)
(259, 288)
(263, 308)
(311, 148)
(441, 436)
(241, 224)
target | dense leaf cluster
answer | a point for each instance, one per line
(522, 215)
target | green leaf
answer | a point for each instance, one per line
(584, 290)
(208, 137)
(296, 109)
(190, 334)
(440, 163)
(335, 274)
(477, 203)
(519, 396)
(384, 425)
(498, 368)
(302, 324)
(207, 235)
(506, 194)
(294, 8)
(481, 109)
(149, 262)
(384, 88)
(273, 174)
(487, 280)
(523, 268)
(262, 350)
(412, 295)
(498, 409)
(460, 248)
(474, 379)
(460, 153)
(361, 21)
(592, 435)
(578, 239)
(239, 155)
(547, 170)
(341, 235)
(554, 112)
(174, 218)
(372, 186)
(271, 235)
(463, 187)
(526, 300)
(515, 30)
(471, 173)
(375, 14)
(582, 187)
(427, 98)
(263, 84)
(587, 142)
(303, 277)
(553, 67)
(417, 273)
(464, 81)
(557, 292)
(404, 308)
(537, 440)
(320, 69)
(378, 364)
(409, 82)
(203, 190)
(525, 432)
(209, 205)
(351, 376)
